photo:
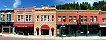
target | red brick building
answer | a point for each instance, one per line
(77, 22)
(102, 22)
(23, 21)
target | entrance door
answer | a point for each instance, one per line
(6, 30)
(93, 30)
(103, 31)
(64, 32)
(82, 30)
(44, 32)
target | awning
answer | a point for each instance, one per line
(45, 27)
(23, 25)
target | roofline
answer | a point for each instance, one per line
(24, 8)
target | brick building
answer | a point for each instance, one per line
(77, 23)
(6, 22)
(45, 21)
(23, 21)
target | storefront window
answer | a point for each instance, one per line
(64, 30)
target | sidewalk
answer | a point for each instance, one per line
(54, 38)
(28, 37)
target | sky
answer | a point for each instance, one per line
(11, 4)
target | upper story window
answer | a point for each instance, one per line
(95, 18)
(28, 17)
(64, 18)
(44, 17)
(8, 17)
(2, 17)
(48, 18)
(85, 18)
(37, 17)
(20, 17)
(91, 18)
(81, 19)
(70, 18)
(75, 19)
(52, 17)
(41, 17)
(103, 19)
(59, 18)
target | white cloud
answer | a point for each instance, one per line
(4, 6)
(17, 3)
(89, 1)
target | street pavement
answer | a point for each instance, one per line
(21, 37)
(51, 38)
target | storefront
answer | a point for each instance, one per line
(94, 30)
(6, 27)
(24, 29)
(78, 30)
(82, 30)
(103, 29)
(66, 30)
(45, 30)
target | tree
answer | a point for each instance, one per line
(101, 5)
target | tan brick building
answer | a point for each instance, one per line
(45, 21)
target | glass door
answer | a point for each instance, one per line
(64, 31)
(44, 32)
(6, 30)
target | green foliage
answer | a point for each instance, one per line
(101, 5)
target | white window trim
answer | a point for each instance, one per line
(20, 18)
(28, 17)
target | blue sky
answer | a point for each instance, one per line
(10, 4)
